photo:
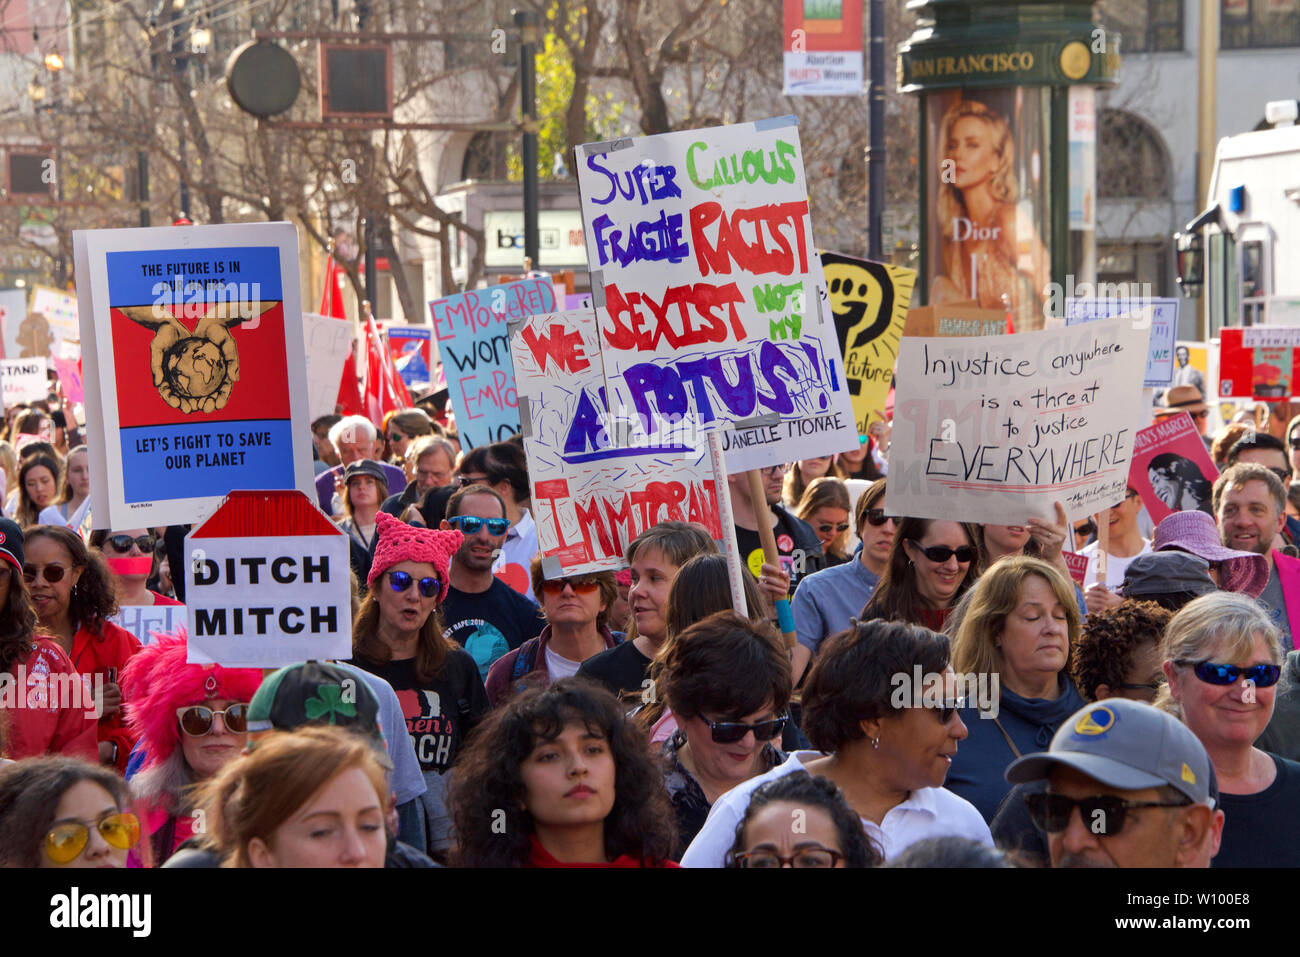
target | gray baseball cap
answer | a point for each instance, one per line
(1161, 573)
(1124, 744)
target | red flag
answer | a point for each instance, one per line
(384, 390)
(331, 298)
(331, 304)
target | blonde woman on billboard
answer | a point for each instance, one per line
(989, 249)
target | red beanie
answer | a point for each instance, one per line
(399, 542)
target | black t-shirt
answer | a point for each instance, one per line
(490, 623)
(438, 713)
(621, 668)
(1263, 830)
(789, 538)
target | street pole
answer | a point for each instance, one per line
(526, 20)
(142, 179)
(876, 133)
(371, 237)
(1206, 119)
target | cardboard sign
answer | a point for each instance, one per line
(823, 48)
(1078, 565)
(590, 497)
(954, 320)
(701, 250)
(412, 351)
(1259, 363)
(998, 428)
(475, 350)
(195, 368)
(328, 342)
(267, 584)
(1159, 315)
(24, 380)
(146, 621)
(1172, 470)
(69, 372)
(869, 303)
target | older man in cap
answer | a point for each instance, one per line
(1127, 786)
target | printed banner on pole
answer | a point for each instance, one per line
(24, 380)
(199, 386)
(412, 351)
(329, 342)
(1172, 470)
(1259, 362)
(267, 584)
(1160, 315)
(997, 428)
(701, 251)
(591, 498)
(823, 48)
(475, 350)
(869, 303)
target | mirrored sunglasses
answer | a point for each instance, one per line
(401, 581)
(470, 524)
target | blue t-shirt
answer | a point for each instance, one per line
(827, 599)
(489, 623)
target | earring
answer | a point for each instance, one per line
(875, 743)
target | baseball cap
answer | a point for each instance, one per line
(315, 692)
(366, 467)
(1160, 573)
(1124, 744)
(11, 543)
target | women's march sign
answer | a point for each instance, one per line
(997, 428)
(1172, 470)
(701, 252)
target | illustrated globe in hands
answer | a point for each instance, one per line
(194, 368)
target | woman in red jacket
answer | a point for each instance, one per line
(72, 594)
(47, 707)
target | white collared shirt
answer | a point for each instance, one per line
(927, 812)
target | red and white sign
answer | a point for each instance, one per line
(1171, 470)
(267, 584)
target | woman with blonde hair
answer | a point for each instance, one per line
(1018, 625)
(825, 506)
(1223, 659)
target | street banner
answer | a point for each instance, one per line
(146, 621)
(590, 496)
(1159, 315)
(267, 584)
(997, 428)
(701, 251)
(1259, 362)
(412, 351)
(13, 312)
(51, 328)
(475, 349)
(955, 319)
(869, 303)
(823, 47)
(329, 342)
(1172, 470)
(24, 380)
(195, 368)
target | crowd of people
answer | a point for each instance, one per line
(951, 695)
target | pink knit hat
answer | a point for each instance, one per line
(157, 681)
(1195, 532)
(399, 542)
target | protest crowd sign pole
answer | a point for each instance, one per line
(1103, 544)
(730, 548)
(784, 617)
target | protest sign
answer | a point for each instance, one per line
(412, 351)
(1172, 470)
(51, 328)
(823, 47)
(146, 621)
(1159, 315)
(328, 342)
(24, 380)
(13, 310)
(195, 368)
(954, 319)
(701, 251)
(267, 584)
(869, 303)
(475, 349)
(591, 497)
(69, 372)
(997, 428)
(1078, 565)
(1259, 362)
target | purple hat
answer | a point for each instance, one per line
(1195, 532)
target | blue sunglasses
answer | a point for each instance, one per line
(401, 581)
(470, 524)
(1264, 676)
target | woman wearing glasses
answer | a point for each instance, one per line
(63, 812)
(931, 564)
(72, 595)
(887, 749)
(727, 683)
(1223, 660)
(825, 506)
(831, 834)
(129, 556)
(192, 722)
(576, 629)
(1020, 621)
(400, 428)
(397, 636)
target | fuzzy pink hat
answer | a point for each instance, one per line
(399, 542)
(157, 681)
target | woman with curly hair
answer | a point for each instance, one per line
(1119, 653)
(829, 835)
(72, 594)
(931, 564)
(558, 777)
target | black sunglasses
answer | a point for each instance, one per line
(52, 573)
(877, 517)
(122, 543)
(949, 708)
(464, 481)
(825, 527)
(1104, 814)
(1264, 676)
(729, 732)
(941, 553)
(401, 581)
(1283, 474)
(1294, 442)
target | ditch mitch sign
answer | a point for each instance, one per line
(267, 584)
